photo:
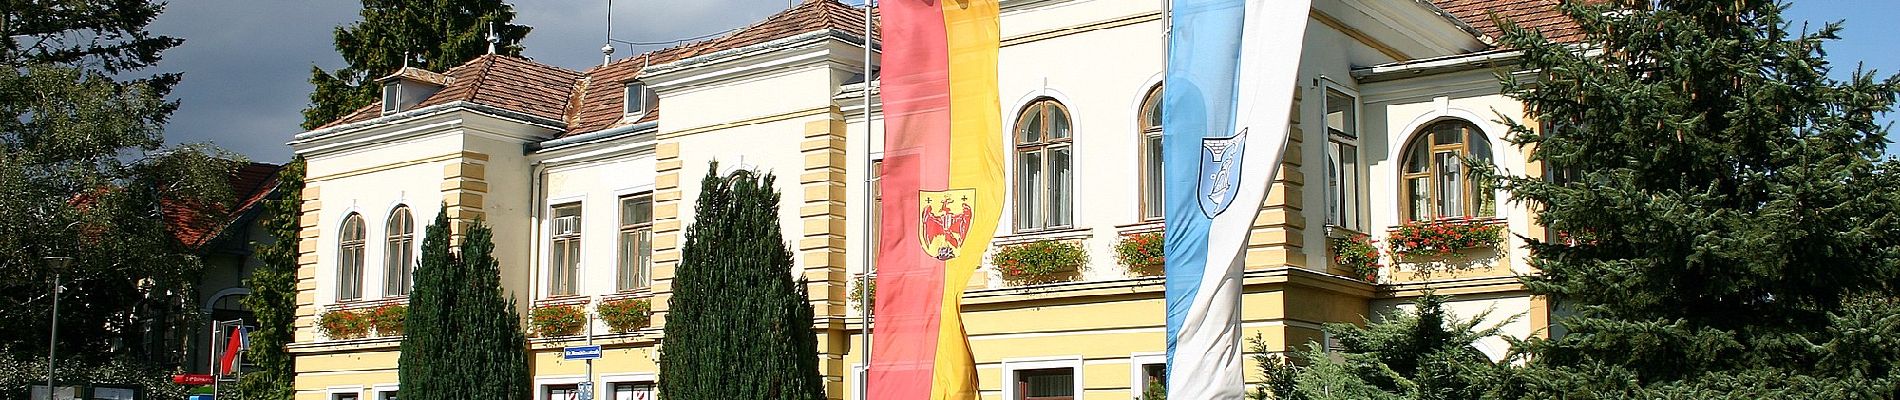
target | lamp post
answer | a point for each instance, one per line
(52, 339)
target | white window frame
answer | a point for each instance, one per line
(541, 385)
(409, 245)
(607, 382)
(554, 236)
(1151, 182)
(1136, 374)
(1337, 213)
(1012, 366)
(330, 393)
(621, 229)
(855, 384)
(377, 391)
(1042, 214)
(392, 97)
(631, 90)
(360, 260)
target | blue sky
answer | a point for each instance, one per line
(247, 62)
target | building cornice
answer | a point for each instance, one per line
(656, 72)
(1436, 65)
(326, 134)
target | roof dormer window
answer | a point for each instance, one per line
(639, 99)
(408, 87)
(392, 97)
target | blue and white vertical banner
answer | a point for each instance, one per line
(1232, 68)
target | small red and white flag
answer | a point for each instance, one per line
(238, 343)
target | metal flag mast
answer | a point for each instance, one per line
(870, 178)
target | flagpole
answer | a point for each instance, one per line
(865, 294)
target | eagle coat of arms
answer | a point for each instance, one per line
(946, 217)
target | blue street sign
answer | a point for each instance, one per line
(580, 352)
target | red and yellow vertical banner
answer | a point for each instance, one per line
(943, 163)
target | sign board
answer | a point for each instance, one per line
(61, 393)
(192, 379)
(580, 352)
(114, 393)
(587, 388)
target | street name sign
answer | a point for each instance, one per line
(580, 352)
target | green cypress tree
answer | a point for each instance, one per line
(434, 35)
(492, 342)
(273, 298)
(738, 326)
(463, 336)
(1727, 226)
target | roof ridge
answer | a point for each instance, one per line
(576, 99)
(481, 76)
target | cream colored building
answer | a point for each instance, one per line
(589, 193)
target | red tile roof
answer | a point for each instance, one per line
(194, 225)
(591, 101)
(1541, 15)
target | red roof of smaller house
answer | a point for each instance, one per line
(1541, 15)
(195, 225)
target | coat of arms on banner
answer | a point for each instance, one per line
(1220, 172)
(946, 221)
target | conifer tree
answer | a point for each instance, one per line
(273, 298)
(1424, 353)
(463, 336)
(434, 35)
(738, 326)
(1725, 225)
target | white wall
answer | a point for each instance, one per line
(598, 186)
(372, 181)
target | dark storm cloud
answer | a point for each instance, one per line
(247, 62)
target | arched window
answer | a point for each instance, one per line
(349, 264)
(1152, 204)
(1436, 182)
(1043, 177)
(400, 255)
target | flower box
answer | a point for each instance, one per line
(1038, 262)
(1358, 254)
(1444, 237)
(389, 319)
(557, 320)
(625, 315)
(344, 324)
(1144, 254)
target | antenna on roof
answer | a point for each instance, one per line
(493, 39)
(607, 46)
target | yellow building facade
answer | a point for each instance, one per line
(588, 178)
